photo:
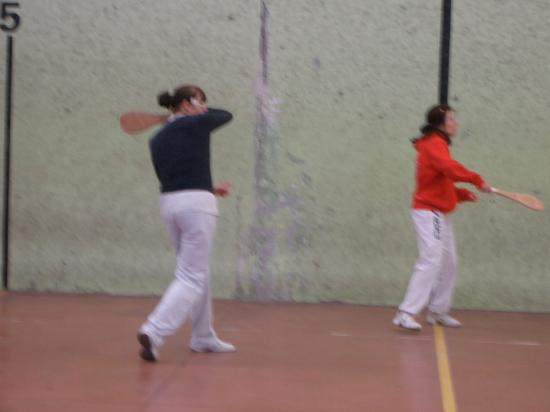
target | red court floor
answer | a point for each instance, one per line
(78, 353)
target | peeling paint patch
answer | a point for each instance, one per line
(263, 240)
(240, 290)
(294, 159)
(277, 234)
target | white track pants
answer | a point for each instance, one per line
(190, 218)
(434, 276)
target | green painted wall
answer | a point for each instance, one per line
(325, 215)
(501, 85)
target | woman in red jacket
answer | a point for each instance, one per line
(434, 199)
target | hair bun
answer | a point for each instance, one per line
(165, 99)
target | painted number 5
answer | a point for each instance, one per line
(10, 20)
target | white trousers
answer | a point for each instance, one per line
(433, 280)
(190, 218)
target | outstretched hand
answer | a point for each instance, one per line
(485, 188)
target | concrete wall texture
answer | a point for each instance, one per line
(318, 151)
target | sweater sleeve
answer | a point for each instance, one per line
(464, 195)
(440, 157)
(214, 118)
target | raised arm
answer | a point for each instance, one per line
(440, 157)
(214, 118)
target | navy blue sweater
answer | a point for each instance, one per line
(180, 151)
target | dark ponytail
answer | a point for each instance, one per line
(185, 92)
(435, 118)
(166, 100)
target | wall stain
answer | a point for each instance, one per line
(272, 252)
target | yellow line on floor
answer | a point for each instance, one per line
(445, 379)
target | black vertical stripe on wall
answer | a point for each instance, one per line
(445, 51)
(7, 160)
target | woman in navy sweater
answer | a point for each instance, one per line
(180, 153)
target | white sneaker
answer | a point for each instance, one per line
(149, 351)
(443, 319)
(404, 320)
(212, 344)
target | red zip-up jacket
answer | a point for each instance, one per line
(436, 172)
